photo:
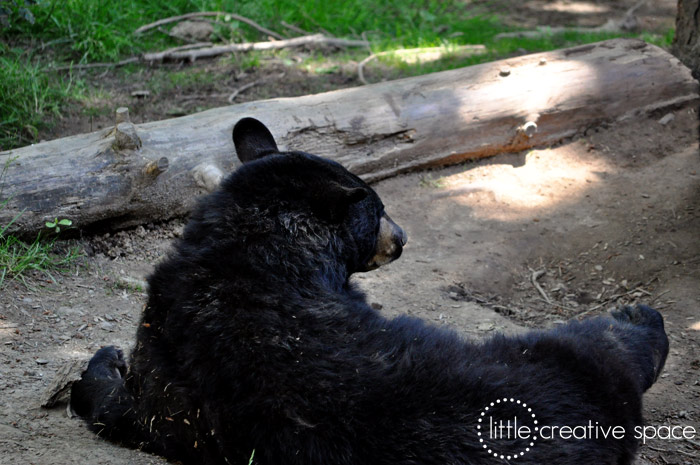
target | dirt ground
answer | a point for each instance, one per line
(611, 216)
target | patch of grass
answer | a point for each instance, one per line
(19, 258)
(29, 97)
(428, 182)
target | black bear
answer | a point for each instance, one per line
(254, 343)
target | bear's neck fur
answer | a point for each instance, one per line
(271, 247)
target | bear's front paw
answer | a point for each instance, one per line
(640, 315)
(108, 362)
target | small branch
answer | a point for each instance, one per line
(235, 93)
(244, 87)
(613, 298)
(191, 55)
(201, 96)
(240, 18)
(294, 28)
(96, 65)
(192, 52)
(361, 67)
(534, 277)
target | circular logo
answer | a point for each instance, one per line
(507, 428)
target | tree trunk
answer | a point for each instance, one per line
(135, 174)
(686, 43)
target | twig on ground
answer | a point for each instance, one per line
(657, 449)
(695, 443)
(654, 299)
(182, 48)
(614, 297)
(533, 278)
(306, 15)
(240, 18)
(96, 65)
(192, 55)
(197, 50)
(361, 67)
(244, 87)
(294, 28)
(201, 96)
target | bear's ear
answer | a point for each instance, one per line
(333, 201)
(252, 140)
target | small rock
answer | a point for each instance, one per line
(41, 361)
(505, 71)
(107, 326)
(667, 118)
(194, 30)
(598, 268)
(109, 317)
(140, 93)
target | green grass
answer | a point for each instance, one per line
(19, 258)
(28, 97)
(82, 31)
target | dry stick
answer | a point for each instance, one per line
(244, 87)
(316, 39)
(126, 61)
(361, 66)
(534, 277)
(695, 443)
(235, 93)
(615, 297)
(203, 50)
(294, 28)
(658, 296)
(96, 65)
(200, 96)
(240, 18)
(678, 451)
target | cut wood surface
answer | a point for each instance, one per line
(140, 173)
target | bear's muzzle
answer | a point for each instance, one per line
(390, 242)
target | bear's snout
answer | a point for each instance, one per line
(390, 242)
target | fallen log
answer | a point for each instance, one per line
(134, 174)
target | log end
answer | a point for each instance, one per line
(122, 116)
(156, 167)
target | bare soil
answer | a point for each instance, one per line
(611, 216)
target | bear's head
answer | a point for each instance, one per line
(309, 189)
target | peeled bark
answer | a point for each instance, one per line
(134, 174)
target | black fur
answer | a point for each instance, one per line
(253, 339)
